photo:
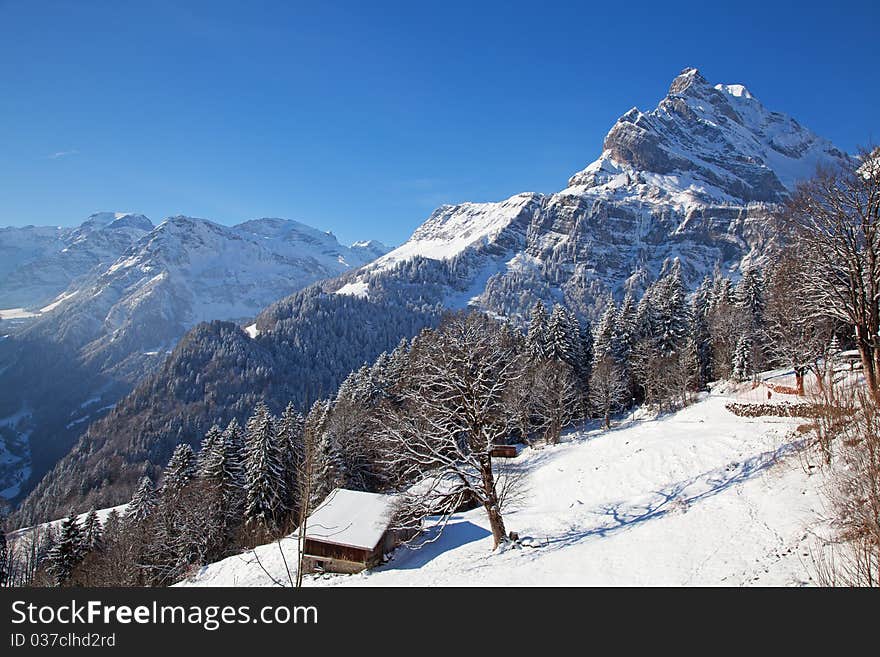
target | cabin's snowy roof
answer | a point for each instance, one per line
(351, 518)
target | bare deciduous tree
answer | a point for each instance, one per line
(851, 557)
(452, 415)
(798, 332)
(555, 397)
(306, 475)
(835, 218)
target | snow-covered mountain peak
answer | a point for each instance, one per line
(273, 227)
(368, 244)
(370, 249)
(689, 80)
(115, 220)
(706, 144)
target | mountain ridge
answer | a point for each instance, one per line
(117, 322)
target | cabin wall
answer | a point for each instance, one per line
(327, 557)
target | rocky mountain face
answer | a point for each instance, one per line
(697, 178)
(108, 328)
(38, 263)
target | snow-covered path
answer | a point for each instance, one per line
(699, 497)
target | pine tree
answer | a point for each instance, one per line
(212, 439)
(603, 338)
(112, 526)
(536, 338)
(264, 470)
(585, 353)
(290, 430)
(703, 296)
(362, 386)
(223, 467)
(397, 365)
(701, 338)
(645, 317)
(380, 376)
(722, 292)
(332, 468)
(313, 431)
(742, 359)
(68, 551)
(623, 333)
(180, 470)
(672, 314)
(143, 502)
(749, 295)
(92, 532)
(561, 336)
(233, 461)
(833, 347)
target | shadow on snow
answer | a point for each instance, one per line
(622, 516)
(457, 532)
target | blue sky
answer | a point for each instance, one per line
(361, 118)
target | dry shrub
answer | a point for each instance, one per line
(848, 437)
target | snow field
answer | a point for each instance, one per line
(698, 497)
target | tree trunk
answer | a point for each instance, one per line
(868, 369)
(820, 381)
(607, 419)
(799, 380)
(493, 510)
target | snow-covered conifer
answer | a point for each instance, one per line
(67, 552)
(264, 470)
(742, 359)
(603, 337)
(92, 531)
(290, 437)
(142, 502)
(180, 470)
(536, 338)
(561, 337)
(213, 437)
(672, 318)
(833, 347)
(623, 332)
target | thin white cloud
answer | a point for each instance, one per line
(58, 155)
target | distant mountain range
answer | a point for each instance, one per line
(697, 178)
(90, 311)
(38, 263)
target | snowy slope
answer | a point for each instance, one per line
(701, 497)
(453, 228)
(698, 178)
(55, 525)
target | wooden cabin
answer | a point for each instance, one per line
(349, 532)
(503, 451)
